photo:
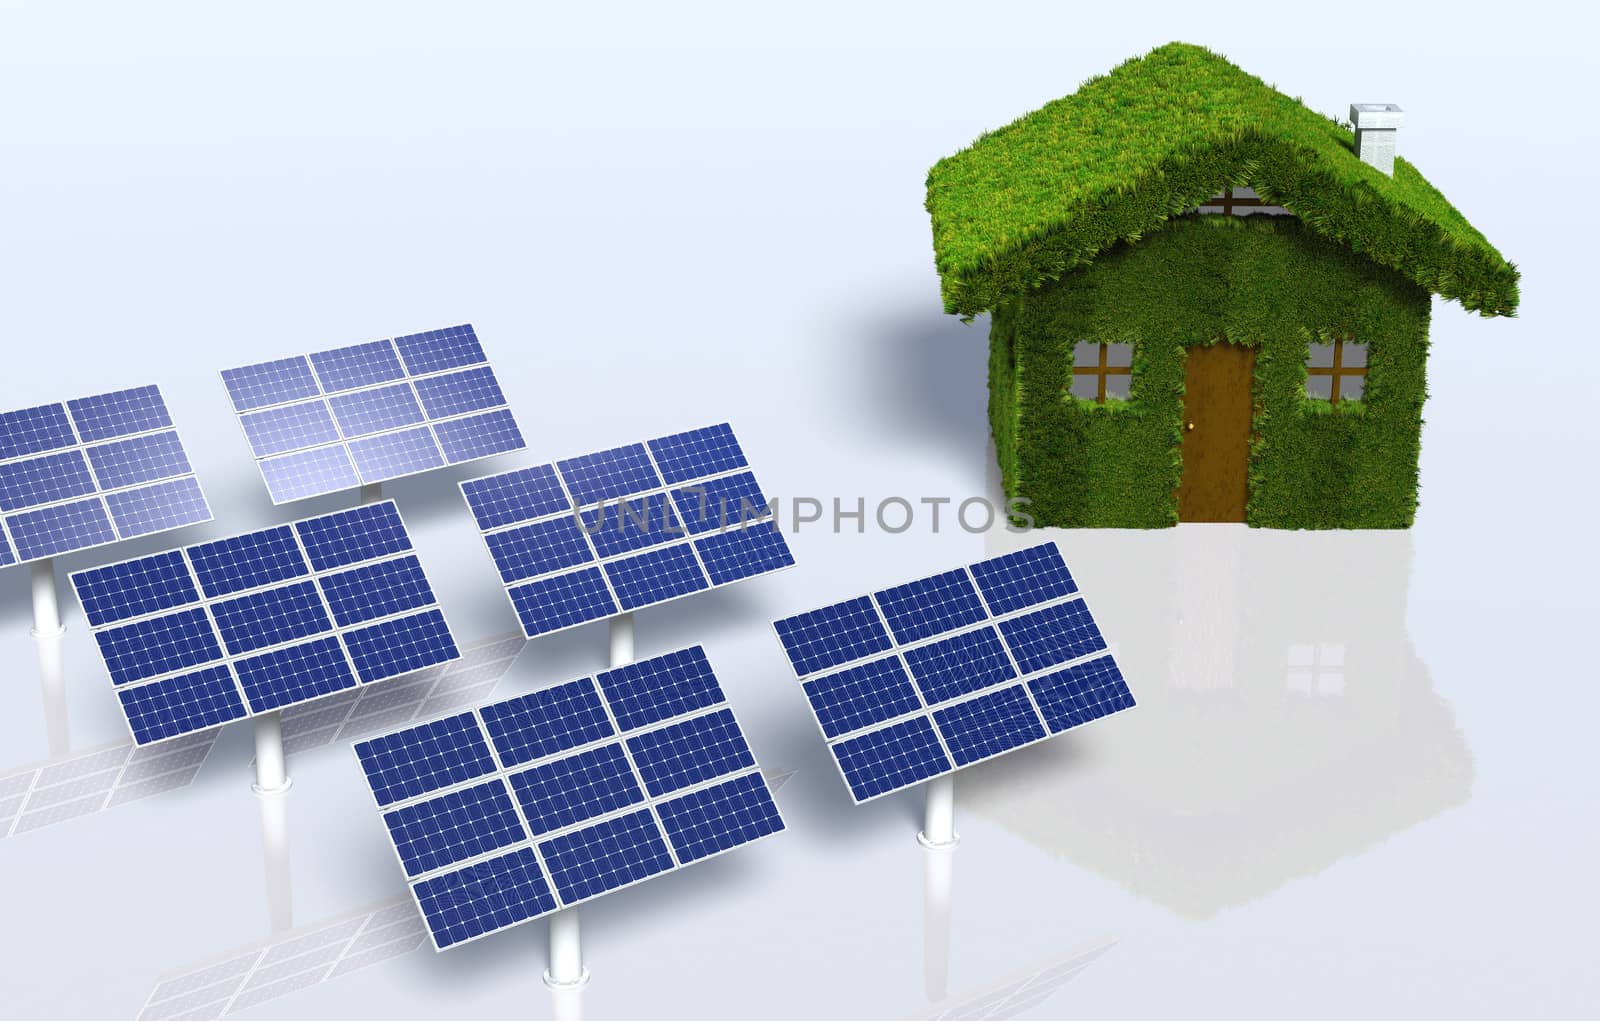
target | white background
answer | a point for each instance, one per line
(665, 216)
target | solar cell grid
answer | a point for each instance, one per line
(119, 472)
(369, 413)
(252, 607)
(597, 807)
(630, 519)
(966, 675)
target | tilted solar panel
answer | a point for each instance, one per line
(91, 472)
(372, 412)
(235, 627)
(921, 679)
(589, 537)
(522, 807)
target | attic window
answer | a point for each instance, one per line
(1101, 370)
(1336, 372)
(1241, 202)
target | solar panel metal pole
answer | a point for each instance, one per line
(938, 873)
(939, 814)
(271, 776)
(53, 682)
(566, 970)
(46, 608)
(372, 492)
(275, 857)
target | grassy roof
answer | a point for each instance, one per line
(1155, 138)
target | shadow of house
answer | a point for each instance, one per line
(1285, 721)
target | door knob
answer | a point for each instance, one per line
(1191, 426)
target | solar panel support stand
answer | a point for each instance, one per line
(271, 776)
(938, 874)
(53, 689)
(46, 607)
(372, 492)
(939, 815)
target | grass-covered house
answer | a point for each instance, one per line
(1207, 302)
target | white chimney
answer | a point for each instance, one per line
(1375, 125)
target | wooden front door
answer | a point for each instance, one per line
(1216, 433)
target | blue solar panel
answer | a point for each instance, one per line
(123, 413)
(42, 480)
(546, 722)
(861, 696)
(896, 756)
(376, 590)
(1053, 635)
(698, 453)
(269, 614)
(1024, 578)
(309, 473)
(988, 725)
(374, 411)
(141, 459)
(68, 526)
(459, 393)
(628, 525)
(930, 606)
(438, 350)
(7, 557)
(721, 504)
(381, 411)
(655, 576)
(347, 537)
(604, 856)
(744, 553)
(392, 455)
(608, 474)
(159, 645)
(135, 588)
(226, 566)
(483, 897)
(587, 795)
(706, 822)
(521, 495)
(347, 368)
(1080, 693)
(657, 689)
(569, 791)
(833, 635)
(288, 428)
(425, 758)
(157, 508)
(295, 673)
(271, 617)
(181, 705)
(688, 753)
(467, 439)
(961, 680)
(539, 548)
(454, 827)
(960, 664)
(394, 647)
(34, 430)
(562, 601)
(269, 383)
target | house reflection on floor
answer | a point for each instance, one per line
(1284, 721)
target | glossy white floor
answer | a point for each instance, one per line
(1361, 778)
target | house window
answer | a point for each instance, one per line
(1101, 370)
(1241, 202)
(1316, 668)
(1336, 372)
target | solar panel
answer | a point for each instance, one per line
(921, 679)
(589, 537)
(372, 412)
(220, 630)
(541, 802)
(91, 472)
